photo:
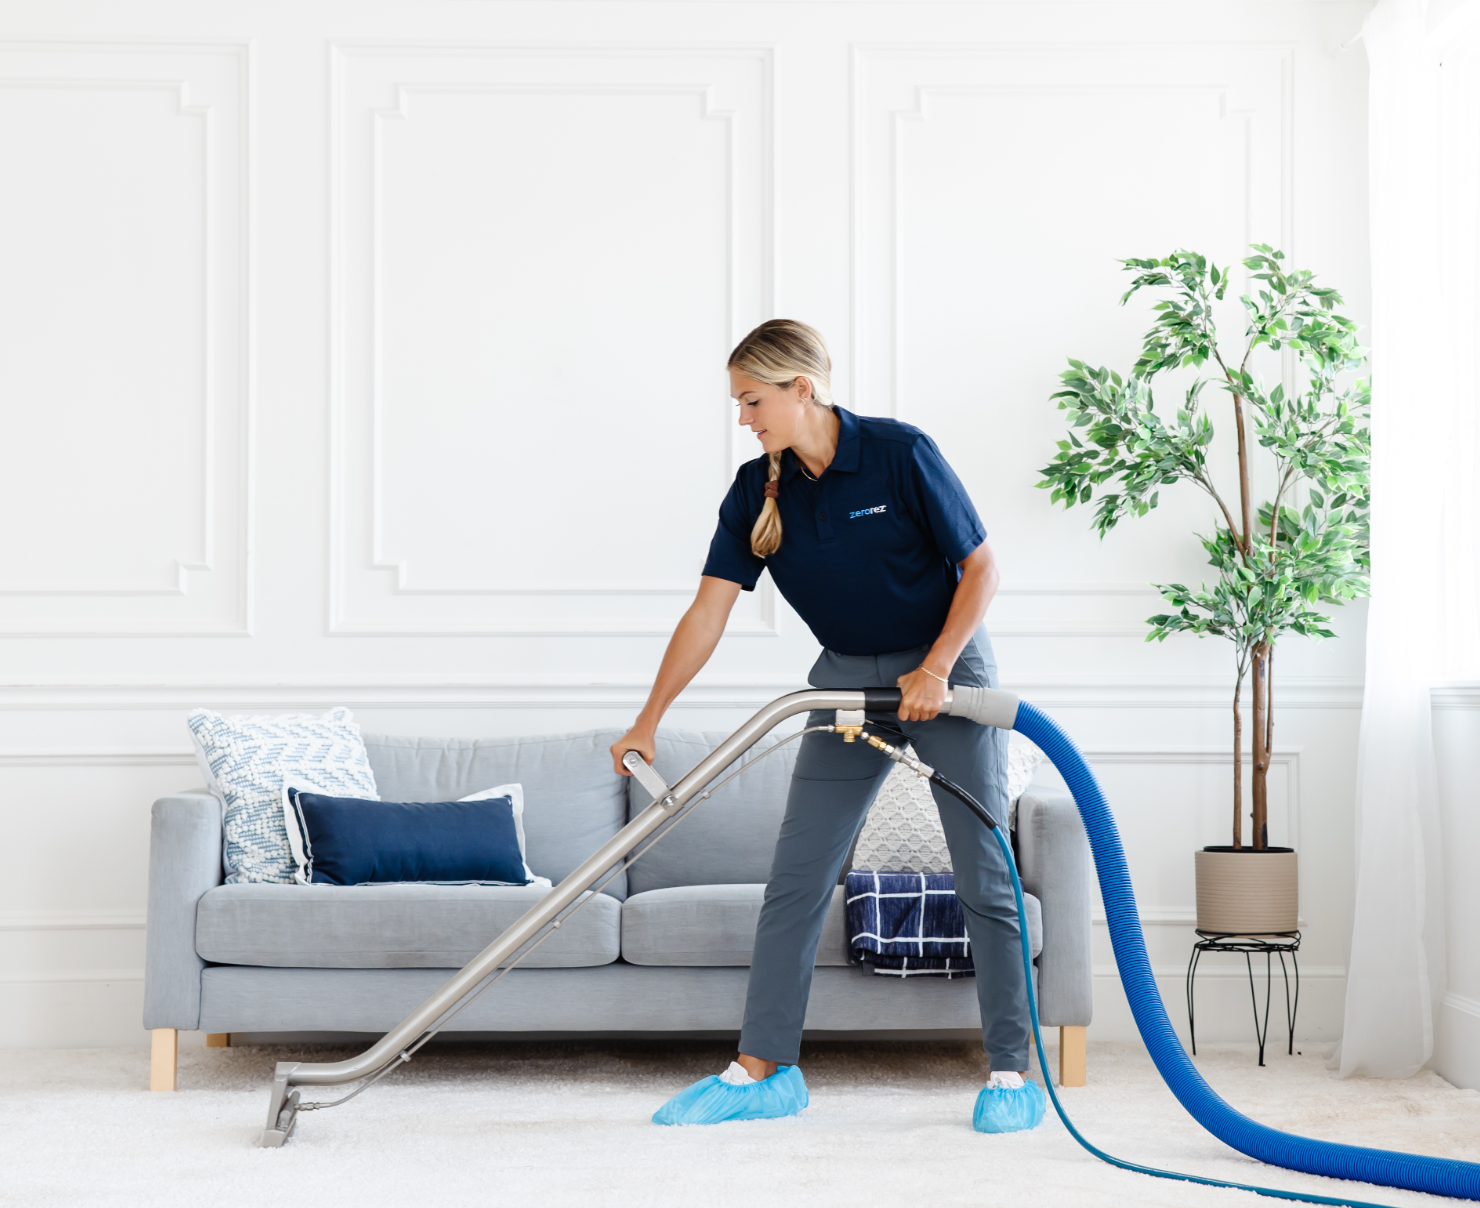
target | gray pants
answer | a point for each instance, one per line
(831, 790)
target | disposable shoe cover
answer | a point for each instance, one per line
(1000, 1110)
(711, 1101)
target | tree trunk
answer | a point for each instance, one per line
(1261, 744)
(1245, 492)
(1269, 707)
(1238, 763)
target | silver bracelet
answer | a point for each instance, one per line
(932, 674)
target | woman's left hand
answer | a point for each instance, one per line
(923, 696)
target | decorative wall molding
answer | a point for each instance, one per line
(1080, 589)
(1178, 973)
(1176, 916)
(1458, 1002)
(924, 70)
(72, 920)
(200, 114)
(902, 350)
(31, 977)
(1287, 759)
(60, 757)
(209, 591)
(1455, 696)
(571, 691)
(1191, 755)
(374, 593)
(399, 111)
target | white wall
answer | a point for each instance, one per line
(371, 353)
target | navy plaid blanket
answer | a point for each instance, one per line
(907, 924)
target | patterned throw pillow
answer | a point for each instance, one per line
(246, 759)
(902, 832)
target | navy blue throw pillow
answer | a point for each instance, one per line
(347, 841)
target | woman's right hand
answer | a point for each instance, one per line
(639, 739)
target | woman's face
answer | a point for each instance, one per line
(771, 412)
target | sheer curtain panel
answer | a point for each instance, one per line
(1423, 574)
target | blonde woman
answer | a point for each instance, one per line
(873, 540)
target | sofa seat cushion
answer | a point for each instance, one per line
(390, 926)
(715, 925)
(711, 925)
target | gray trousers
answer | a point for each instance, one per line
(831, 790)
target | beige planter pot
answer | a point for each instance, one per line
(1247, 892)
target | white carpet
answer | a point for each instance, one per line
(568, 1124)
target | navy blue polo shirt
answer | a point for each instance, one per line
(868, 550)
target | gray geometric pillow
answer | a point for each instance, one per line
(245, 760)
(902, 832)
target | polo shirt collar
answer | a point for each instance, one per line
(844, 459)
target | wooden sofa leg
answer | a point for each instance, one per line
(1073, 1055)
(218, 1040)
(163, 1049)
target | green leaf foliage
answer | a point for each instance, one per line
(1120, 450)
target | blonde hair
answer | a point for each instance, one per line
(779, 352)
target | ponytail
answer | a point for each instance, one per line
(778, 352)
(765, 537)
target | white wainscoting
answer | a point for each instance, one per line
(374, 356)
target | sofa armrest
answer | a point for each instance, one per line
(184, 862)
(1055, 865)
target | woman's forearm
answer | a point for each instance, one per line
(979, 580)
(693, 641)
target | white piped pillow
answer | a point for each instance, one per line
(514, 792)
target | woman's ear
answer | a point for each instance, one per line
(803, 387)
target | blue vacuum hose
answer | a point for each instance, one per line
(1412, 1172)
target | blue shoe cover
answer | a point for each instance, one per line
(1000, 1110)
(710, 1101)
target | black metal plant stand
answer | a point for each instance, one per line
(1270, 945)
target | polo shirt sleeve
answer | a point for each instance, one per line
(730, 555)
(943, 504)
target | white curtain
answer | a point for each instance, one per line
(1422, 479)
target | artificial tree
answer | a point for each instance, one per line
(1308, 545)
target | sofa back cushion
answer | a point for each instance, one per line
(730, 838)
(573, 800)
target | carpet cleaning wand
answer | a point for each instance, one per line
(988, 707)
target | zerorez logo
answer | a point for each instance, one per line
(883, 507)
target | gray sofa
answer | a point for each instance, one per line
(664, 948)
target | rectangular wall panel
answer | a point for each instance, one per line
(996, 189)
(123, 391)
(545, 259)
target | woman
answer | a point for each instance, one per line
(873, 540)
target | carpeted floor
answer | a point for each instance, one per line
(568, 1125)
